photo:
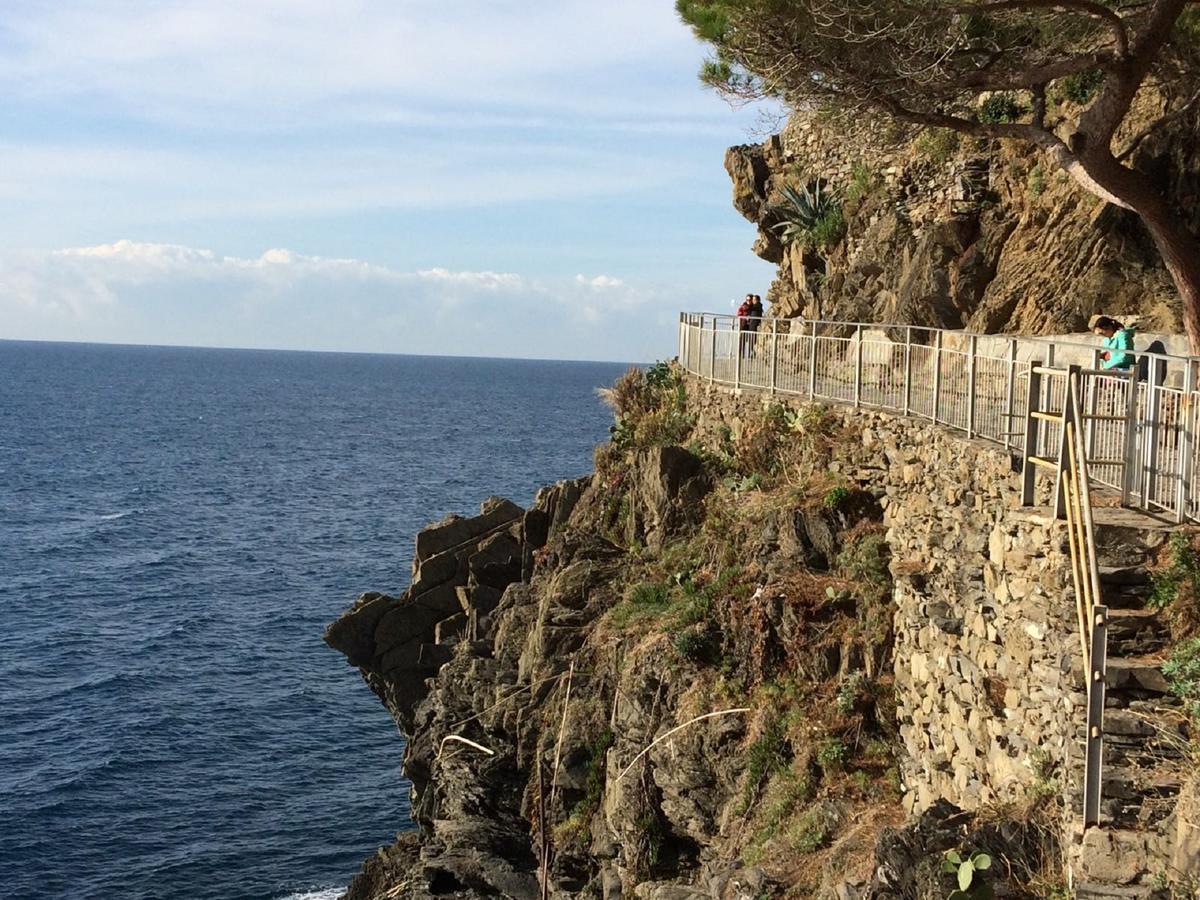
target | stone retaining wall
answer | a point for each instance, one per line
(984, 617)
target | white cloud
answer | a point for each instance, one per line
(139, 292)
(180, 59)
(600, 282)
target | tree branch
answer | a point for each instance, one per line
(1099, 122)
(1164, 119)
(1093, 10)
(1025, 79)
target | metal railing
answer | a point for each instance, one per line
(1073, 502)
(1139, 429)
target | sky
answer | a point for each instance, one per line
(467, 177)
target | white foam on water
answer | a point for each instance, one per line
(317, 894)
(110, 516)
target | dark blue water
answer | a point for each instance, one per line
(176, 528)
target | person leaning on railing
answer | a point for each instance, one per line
(1117, 343)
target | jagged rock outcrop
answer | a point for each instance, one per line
(985, 236)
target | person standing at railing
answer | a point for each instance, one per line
(754, 321)
(1117, 343)
(743, 325)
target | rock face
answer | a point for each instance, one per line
(962, 234)
(557, 748)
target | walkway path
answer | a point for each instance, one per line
(1141, 424)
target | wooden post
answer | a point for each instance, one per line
(1097, 674)
(1028, 473)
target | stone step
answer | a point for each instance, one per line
(1125, 546)
(1139, 677)
(1124, 576)
(1156, 705)
(1136, 632)
(1095, 890)
(1108, 859)
(1166, 738)
(1125, 596)
(1139, 813)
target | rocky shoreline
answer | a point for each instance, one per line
(694, 673)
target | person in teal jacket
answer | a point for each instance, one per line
(1117, 343)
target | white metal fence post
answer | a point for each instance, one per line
(1187, 438)
(774, 353)
(812, 362)
(1130, 450)
(937, 373)
(972, 347)
(1150, 427)
(1028, 473)
(858, 365)
(907, 368)
(1010, 390)
(712, 353)
(739, 337)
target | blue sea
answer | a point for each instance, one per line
(177, 526)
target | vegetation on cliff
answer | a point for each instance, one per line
(991, 70)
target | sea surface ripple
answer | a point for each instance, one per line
(177, 526)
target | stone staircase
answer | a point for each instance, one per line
(1145, 732)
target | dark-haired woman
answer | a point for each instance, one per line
(1117, 343)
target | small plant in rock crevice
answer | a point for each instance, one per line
(836, 497)
(810, 215)
(967, 871)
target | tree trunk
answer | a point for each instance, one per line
(1179, 247)
(1181, 255)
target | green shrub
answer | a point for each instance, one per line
(1082, 87)
(836, 496)
(810, 833)
(694, 644)
(1035, 182)
(851, 691)
(936, 145)
(649, 408)
(810, 215)
(865, 562)
(862, 182)
(766, 756)
(967, 874)
(833, 754)
(999, 108)
(1183, 674)
(1179, 580)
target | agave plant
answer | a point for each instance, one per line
(809, 214)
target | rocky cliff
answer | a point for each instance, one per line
(953, 232)
(755, 654)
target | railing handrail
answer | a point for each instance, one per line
(1138, 430)
(1030, 340)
